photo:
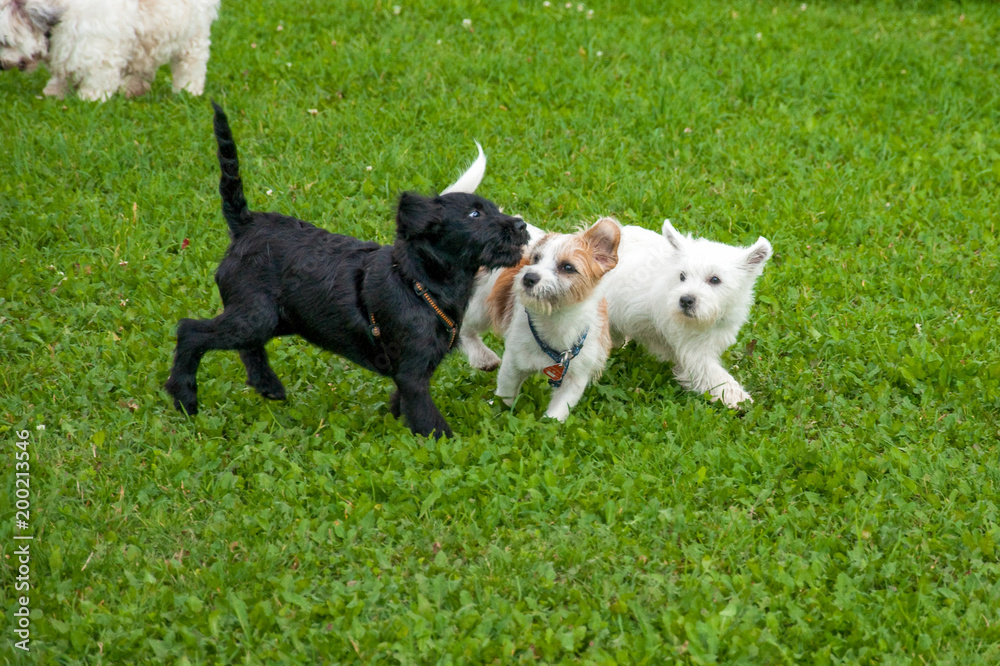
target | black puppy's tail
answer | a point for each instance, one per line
(234, 203)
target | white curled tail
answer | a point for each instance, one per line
(469, 181)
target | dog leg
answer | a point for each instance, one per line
(565, 396)
(135, 85)
(99, 88)
(509, 380)
(260, 375)
(236, 328)
(100, 83)
(56, 87)
(705, 374)
(413, 400)
(477, 321)
(480, 356)
(188, 67)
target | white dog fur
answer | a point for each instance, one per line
(558, 286)
(684, 300)
(100, 47)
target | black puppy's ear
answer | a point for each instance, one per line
(414, 214)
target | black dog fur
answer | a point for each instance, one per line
(283, 276)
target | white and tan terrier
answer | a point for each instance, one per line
(552, 313)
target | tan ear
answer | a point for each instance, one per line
(500, 302)
(603, 239)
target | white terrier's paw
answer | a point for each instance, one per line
(558, 412)
(94, 94)
(482, 357)
(135, 86)
(732, 395)
(507, 401)
(56, 87)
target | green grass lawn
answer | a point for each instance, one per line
(849, 516)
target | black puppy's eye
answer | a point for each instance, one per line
(715, 280)
(683, 277)
(474, 213)
(568, 268)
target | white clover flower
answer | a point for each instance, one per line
(759, 36)
(546, 4)
(368, 168)
(40, 426)
(396, 9)
(269, 192)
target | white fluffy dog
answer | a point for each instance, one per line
(103, 46)
(684, 300)
(552, 313)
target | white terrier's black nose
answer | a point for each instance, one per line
(530, 280)
(687, 302)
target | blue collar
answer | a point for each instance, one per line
(562, 359)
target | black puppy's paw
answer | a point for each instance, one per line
(439, 430)
(185, 394)
(270, 388)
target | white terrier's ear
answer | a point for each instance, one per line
(469, 181)
(674, 238)
(758, 254)
(603, 239)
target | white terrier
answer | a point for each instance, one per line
(684, 300)
(103, 46)
(552, 313)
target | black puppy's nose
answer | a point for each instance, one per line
(687, 302)
(519, 225)
(530, 279)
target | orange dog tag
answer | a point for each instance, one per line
(553, 372)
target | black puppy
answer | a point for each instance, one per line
(394, 309)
